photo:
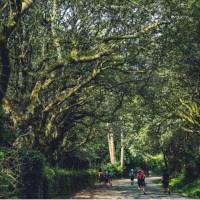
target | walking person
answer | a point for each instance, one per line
(110, 174)
(141, 181)
(165, 181)
(100, 176)
(108, 178)
(132, 175)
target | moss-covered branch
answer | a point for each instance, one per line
(145, 30)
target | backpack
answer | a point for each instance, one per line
(141, 175)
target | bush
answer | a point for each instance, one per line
(60, 183)
(31, 176)
(180, 184)
(155, 163)
(191, 171)
(6, 136)
(146, 162)
(21, 173)
(115, 169)
(8, 172)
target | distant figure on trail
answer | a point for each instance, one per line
(165, 181)
(141, 181)
(108, 178)
(100, 176)
(150, 172)
(132, 175)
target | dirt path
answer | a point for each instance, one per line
(122, 189)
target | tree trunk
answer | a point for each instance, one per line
(165, 159)
(111, 144)
(5, 32)
(122, 149)
(5, 69)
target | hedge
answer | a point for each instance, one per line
(23, 174)
(60, 183)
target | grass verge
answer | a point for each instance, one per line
(191, 189)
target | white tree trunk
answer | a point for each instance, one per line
(111, 144)
(122, 149)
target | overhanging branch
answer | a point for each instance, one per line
(134, 35)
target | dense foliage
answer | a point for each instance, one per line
(60, 183)
(21, 173)
(24, 174)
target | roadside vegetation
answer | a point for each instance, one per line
(186, 186)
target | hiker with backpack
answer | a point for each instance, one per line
(141, 181)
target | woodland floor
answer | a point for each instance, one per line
(122, 189)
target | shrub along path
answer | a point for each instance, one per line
(122, 189)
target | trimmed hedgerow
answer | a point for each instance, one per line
(20, 173)
(31, 174)
(23, 175)
(61, 183)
